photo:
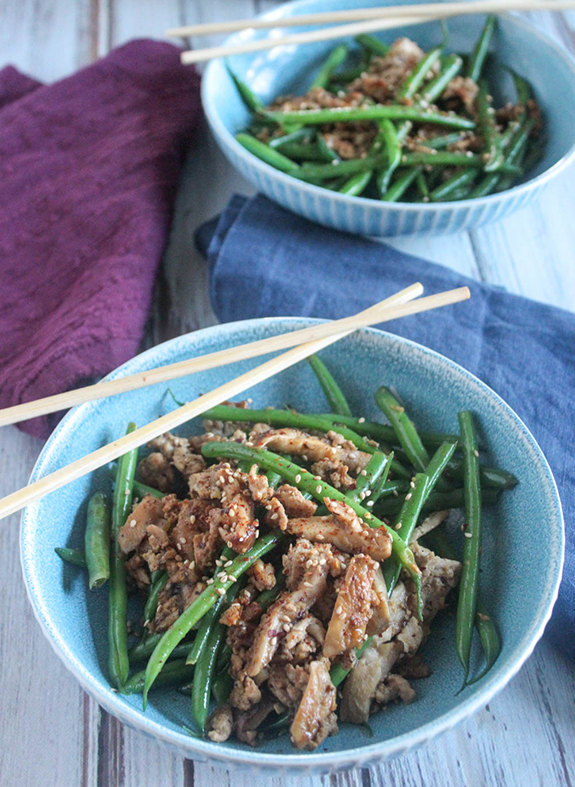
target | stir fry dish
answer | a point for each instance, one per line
(287, 567)
(400, 124)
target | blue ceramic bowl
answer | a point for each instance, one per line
(290, 69)
(519, 590)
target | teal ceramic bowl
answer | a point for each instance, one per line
(519, 590)
(290, 69)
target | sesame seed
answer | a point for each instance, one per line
(286, 627)
(361, 420)
(408, 496)
(395, 493)
(133, 523)
(370, 503)
(468, 535)
(361, 495)
(210, 582)
(398, 526)
(228, 563)
(476, 452)
(363, 472)
(317, 478)
(298, 478)
(412, 484)
(182, 540)
(318, 489)
(220, 591)
(231, 579)
(368, 515)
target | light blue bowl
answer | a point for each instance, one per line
(519, 590)
(290, 69)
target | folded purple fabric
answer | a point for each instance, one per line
(88, 172)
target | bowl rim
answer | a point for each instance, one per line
(310, 762)
(283, 11)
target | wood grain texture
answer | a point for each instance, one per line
(54, 734)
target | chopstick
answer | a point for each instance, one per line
(162, 374)
(387, 309)
(359, 14)
(394, 16)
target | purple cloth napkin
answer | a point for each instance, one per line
(88, 173)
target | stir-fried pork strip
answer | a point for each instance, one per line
(179, 452)
(149, 511)
(429, 524)
(343, 529)
(156, 471)
(312, 448)
(371, 679)
(353, 608)
(307, 567)
(315, 718)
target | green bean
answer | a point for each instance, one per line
(317, 488)
(404, 428)
(533, 155)
(450, 68)
(477, 59)
(73, 556)
(174, 674)
(523, 88)
(421, 184)
(440, 143)
(370, 112)
(490, 477)
(141, 490)
(320, 172)
(388, 139)
(420, 489)
(118, 662)
(491, 137)
(207, 624)
(249, 98)
(468, 586)
(401, 184)
(301, 151)
(488, 635)
(144, 649)
(222, 687)
(328, 153)
(381, 432)
(372, 45)
(450, 159)
(334, 60)
(303, 136)
(224, 657)
(158, 584)
(517, 148)
(97, 540)
(277, 726)
(415, 78)
(357, 184)
(446, 189)
(384, 176)
(203, 603)
(204, 674)
(375, 471)
(273, 478)
(333, 393)
(267, 154)
(437, 501)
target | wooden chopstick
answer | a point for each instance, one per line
(359, 14)
(395, 16)
(385, 310)
(162, 374)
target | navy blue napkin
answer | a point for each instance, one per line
(259, 267)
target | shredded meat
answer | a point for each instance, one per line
(315, 718)
(293, 501)
(345, 530)
(353, 608)
(149, 511)
(313, 449)
(221, 724)
(156, 471)
(179, 452)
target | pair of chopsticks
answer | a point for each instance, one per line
(303, 342)
(363, 20)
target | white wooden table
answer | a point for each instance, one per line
(51, 733)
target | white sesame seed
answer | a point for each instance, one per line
(398, 526)
(361, 420)
(468, 535)
(210, 582)
(408, 496)
(228, 563)
(133, 523)
(412, 484)
(370, 503)
(363, 472)
(220, 591)
(476, 452)
(368, 515)
(182, 540)
(298, 478)
(286, 627)
(318, 489)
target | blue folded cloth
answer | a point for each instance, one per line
(259, 257)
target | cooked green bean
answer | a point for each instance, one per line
(421, 184)
(318, 489)
(481, 48)
(373, 112)
(118, 662)
(76, 557)
(490, 477)
(203, 603)
(384, 175)
(372, 45)
(267, 154)
(328, 153)
(175, 673)
(339, 673)
(335, 59)
(440, 143)
(375, 472)
(210, 620)
(357, 184)
(333, 393)
(417, 76)
(144, 649)
(450, 68)
(401, 184)
(468, 585)
(222, 687)
(404, 428)
(321, 172)
(301, 151)
(204, 674)
(97, 540)
(488, 635)
(491, 137)
(141, 490)
(450, 159)
(302, 136)
(450, 186)
(158, 584)
(251, 101)
(437, 501)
